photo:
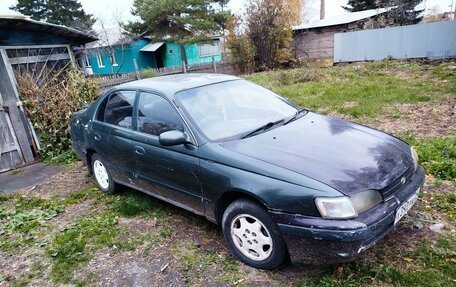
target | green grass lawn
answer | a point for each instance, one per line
(73, 234)
(363, 90)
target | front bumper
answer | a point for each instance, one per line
(318, 240)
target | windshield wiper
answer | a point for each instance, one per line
(296, 115)
(264, 127)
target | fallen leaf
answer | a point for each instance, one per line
(340, 269)
(408, 259)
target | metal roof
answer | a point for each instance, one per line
(171, 84)
(152, 47)
(343, 19)
(22, 22)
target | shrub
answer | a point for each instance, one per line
(50, 106)
(241, 50)
(148, 73)
(295, 76)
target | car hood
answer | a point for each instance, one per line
(344, 155)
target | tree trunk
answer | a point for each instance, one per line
(183, 55)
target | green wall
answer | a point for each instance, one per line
(191, 50)
(169, 53)
(145, 60)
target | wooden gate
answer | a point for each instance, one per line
(15, 144)
(10, 153)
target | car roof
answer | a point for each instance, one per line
(171, 84)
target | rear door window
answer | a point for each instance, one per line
(119, 109)
(156, 115)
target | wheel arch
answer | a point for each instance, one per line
(229, 197)
(89, 153)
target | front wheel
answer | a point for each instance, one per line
(102, 175)
(252, 236)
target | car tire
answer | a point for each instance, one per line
(102, 175)
(252, 236)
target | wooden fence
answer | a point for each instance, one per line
(108, 81)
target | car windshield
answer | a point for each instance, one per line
(234, 108)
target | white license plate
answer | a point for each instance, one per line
(405, 206)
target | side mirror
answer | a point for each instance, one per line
(171, 138)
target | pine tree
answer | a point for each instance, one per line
(33, 8)
(62, 12)
(403, 13)
(181, 21)
(360, 5)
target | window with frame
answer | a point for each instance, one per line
(119, 109)
(102, 109)
(209, 49)
(87, 62)
(113, 59)
(156, 115)
(100, 60)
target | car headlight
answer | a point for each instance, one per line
(347, 207)
(335, 207)
(415, 157)
(365, 200)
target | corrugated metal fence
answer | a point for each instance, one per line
(431, 40)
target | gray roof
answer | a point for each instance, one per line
(22, 22)
(342, 19)
(169, 85)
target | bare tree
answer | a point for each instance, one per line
(113, 39)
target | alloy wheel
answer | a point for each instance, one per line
(251, 237)
(101, 174)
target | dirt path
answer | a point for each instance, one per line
(421, 120)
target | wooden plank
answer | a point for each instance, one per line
(10, 153)
(70, 53)
(20, 131)
(9, 160)
(8, 91)
(37, 59)
(7, 140)
(35, 46)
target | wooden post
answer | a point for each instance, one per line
(72, 59)
(138, 73)
(214, 65)
(322, 9)
(184, 67)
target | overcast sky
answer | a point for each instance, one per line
(105, 9)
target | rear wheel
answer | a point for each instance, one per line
(102, 175)
(252, 236)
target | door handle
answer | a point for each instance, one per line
(139, 150)
(97, 137)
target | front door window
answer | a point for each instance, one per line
(156, 116)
